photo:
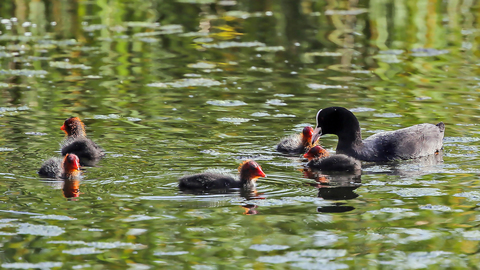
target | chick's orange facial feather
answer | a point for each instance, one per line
(251, 168)
(72, 163)
(316, 152)
(73, 126)
(307, 136)
(307, 132)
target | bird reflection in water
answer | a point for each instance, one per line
(252, 194)
(71, 188)
(407, 168)
(250, 209)
(335, 186)
(335, 208)
(248, 193)
(341, 185)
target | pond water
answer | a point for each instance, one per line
(171, 88)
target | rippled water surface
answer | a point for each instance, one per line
(171, 88)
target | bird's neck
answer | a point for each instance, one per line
(306, 140)
(247, 179)
(78, 132)
(69, 172)
(348, 141)
(248, 182)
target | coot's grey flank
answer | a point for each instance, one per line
(406, 143)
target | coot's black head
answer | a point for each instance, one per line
(335, 120)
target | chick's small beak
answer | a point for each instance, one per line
(261, 173)
(316, 134)
(77, 165)
(63, 127)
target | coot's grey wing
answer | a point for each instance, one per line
(406, 143)
(421, 140)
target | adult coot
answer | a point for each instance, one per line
(297, 143)
(249, 171)
(77, 142)
(406, 143)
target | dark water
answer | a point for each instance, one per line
(170, 88)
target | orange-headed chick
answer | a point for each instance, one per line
(320, 159)
(316, 152)
(77, 142)
(249, 172)
(66, 168)
(74, 127)
(297, 143)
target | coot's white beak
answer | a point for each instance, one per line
(316, 134)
